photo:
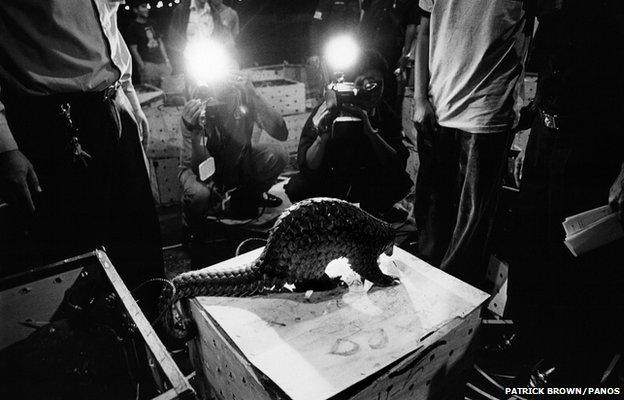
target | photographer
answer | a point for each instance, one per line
(359, 159)
(242, 172)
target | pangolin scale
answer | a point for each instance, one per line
(305, 238)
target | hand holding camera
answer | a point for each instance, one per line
(362, 115)
(191, 115)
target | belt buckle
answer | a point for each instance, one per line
(550, 121)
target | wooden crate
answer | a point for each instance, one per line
(164, 178)
(404, 342)
(165, 139)
(295, 124)
(36, 297)
(296, 72)
(284, 95)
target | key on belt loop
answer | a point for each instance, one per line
(111, 92)
(550, 121)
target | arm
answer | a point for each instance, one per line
(126, 82)
(312, 144)
(18, 180)
(193, 151)
(410, 34)
(386, 155)
(163, 52)
(424, 115)
(616, 193)
(134, 50)
(314, 154)
(141, 119)
(269, 119)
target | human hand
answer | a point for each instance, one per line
(143, 126)
(331, 101)
(518, 164)
(190, 115)
(616, 192)
(361, 114)
(424, 116)
(18, 180)
(242, 81)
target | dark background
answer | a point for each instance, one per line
(272, 31)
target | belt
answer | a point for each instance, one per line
(53, 100)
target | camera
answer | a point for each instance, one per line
(348, 93)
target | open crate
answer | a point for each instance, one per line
(31, 302)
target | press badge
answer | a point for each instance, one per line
(206, 169)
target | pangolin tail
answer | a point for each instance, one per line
(244, 280)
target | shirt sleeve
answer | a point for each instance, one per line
(7, 142)
(426, 6)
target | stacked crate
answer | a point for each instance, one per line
(163, 151)
(277, 85)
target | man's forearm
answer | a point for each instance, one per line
(163, 51)
(7, 142)
(128, 89)
(410, 33)
(136, 56)
(421, 63)
(269, 119)
(315, 153)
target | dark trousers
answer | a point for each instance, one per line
(563, 304)
(266, 162)
(457, 192)
(375, 192)
(106, 203)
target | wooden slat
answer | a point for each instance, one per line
(179, 384)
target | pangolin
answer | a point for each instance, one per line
(305, 238)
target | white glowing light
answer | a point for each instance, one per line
(207, 61)
(341, 52)
(127, 8)
(176, 1)
(159, 4)
(170, 4)
(149, 7)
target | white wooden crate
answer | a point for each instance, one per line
(165, 179)
(295, 124)
(165, 139)
(284, 95)
(403, 342)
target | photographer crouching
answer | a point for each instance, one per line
(221, 172)
(352, 147)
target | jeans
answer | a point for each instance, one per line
(457, 193)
